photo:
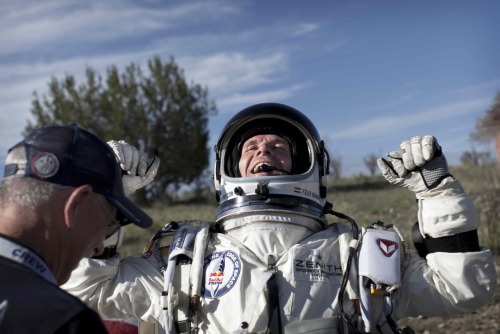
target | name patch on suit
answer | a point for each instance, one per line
(312, 266)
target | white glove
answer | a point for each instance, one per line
(419, 165)
(138, 171)
(444, 208)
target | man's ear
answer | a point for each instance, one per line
(76, 203)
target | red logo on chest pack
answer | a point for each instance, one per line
(388, 247)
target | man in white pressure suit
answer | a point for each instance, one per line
(272, 263)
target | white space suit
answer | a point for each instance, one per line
(271, 263)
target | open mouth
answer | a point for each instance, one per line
(265, 168)
(258, 167)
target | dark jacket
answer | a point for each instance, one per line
(31, 304)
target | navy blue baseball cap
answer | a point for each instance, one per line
(71, 156)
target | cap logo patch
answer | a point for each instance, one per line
(44, 165)
(388, 247)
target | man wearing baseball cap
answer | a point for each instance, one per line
(60, 198)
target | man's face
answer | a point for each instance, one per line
(88, 220)
(103, 226)
(271, 150)
(498, 146)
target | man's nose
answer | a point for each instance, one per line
(264, 149)
(99, 249)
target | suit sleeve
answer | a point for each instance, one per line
(119, 288)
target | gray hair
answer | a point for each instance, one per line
(26, 192)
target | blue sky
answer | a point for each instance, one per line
(369, 74)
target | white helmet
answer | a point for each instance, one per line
(303, 191)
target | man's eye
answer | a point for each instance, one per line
(250, 148)
(282, 147)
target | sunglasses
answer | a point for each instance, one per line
(114, 225)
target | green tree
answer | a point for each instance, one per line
(159, 113)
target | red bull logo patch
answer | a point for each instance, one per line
(222, 270)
